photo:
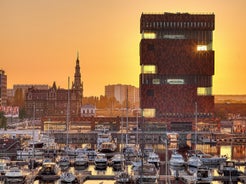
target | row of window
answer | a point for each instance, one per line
(201, 91)
(177, 80)
(151, 112)
(178, 24)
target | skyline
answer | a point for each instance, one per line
(40, 41)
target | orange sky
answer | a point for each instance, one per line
(39, 40)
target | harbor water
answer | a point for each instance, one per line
(233, 152)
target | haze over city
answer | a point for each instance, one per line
(40, 41)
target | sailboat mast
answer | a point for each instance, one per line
(127, 116)
(68, 109)
(33, 119)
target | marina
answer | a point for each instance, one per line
(113, 166)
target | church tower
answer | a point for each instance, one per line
(77, 86)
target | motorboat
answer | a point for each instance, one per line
(123, 178)
(49, 171)
(81, 160)
(70, 151)
(79, 151)
(136, 162)
(194, 161)
(68, 177)
(154, 158)
(106, 147)
(4, 165)
(30, 152)
(148, 173)
(207, 159)
(176, 159)
(91, 153)
(228, 169)
(64, 161)
(14, 175)
(203, 175)
(101, 161)
(3, 168)
(117, 162)
(130, 150)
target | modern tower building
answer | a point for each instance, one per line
(177, 61)
(3, 88)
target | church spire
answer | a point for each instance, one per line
(77, 75)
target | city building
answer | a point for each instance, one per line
(177, 66)
(22, 88)
(3, 88)
(56, 101)
(88, 110)
(123, 92)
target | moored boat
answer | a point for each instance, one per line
(64, 161)
(176, 159)
(14, 175)
(101, 161)
(81, 160)
(123, 178)
(146, 174)
(30, 152)
(117, 162)
(68, 177)
(49, 171)
(106, 147)
(154, 158)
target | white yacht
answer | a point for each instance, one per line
(194, 161)
(14, 175)
(68, 177)
(64, 161)
(70, 151)
(154, 158)
(117, 161)
(30, 152)
(136, 162)
(49, 171)
(81, 160)
(148, 174)
(123, 178)
(106, 147)
(101, 161)
(176, 159)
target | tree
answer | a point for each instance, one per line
(19, 97)
(3, 120)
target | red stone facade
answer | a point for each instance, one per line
(181, 70)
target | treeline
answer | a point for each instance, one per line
(104, 102)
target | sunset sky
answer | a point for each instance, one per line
(39, 40)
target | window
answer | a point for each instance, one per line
(149, 35)
(149, 69)
(156, 81)
(203, 91)
(202, 48)
(175, 81)
(149, 113)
